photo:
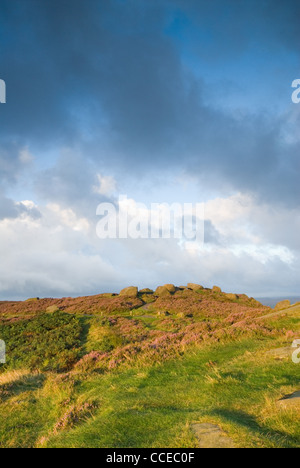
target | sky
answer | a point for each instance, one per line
(183, 101)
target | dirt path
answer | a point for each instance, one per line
(291, 310)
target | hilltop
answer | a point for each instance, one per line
(139, 368)
(182, 300)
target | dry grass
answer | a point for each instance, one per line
(13, 376)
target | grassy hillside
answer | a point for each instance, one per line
(117, 371)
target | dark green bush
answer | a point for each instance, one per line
(48, 342)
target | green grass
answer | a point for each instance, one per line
(154, 408)
(235, 383)
(235, 386)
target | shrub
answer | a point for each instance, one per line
(48, 342)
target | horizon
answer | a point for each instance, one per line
(166, 103)
(270, 301)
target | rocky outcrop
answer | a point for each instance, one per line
(232, 297)
(195, 287)
(162, 291)
(52, 309)
(131, 291)
(283, 305)
(170, 287)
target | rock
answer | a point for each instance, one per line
(165, 313)
(108, 295)
(254, 302)
(243, 297)
(194, 287)
(146, 291)
(52, 309)
(147, 298)
(132, 291)
(170, 287)
(211, 436)
(290, 401)
(162, 291)
(33, 299)
(232, 297)
(283, 305)
(216, 289)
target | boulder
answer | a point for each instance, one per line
(132, 291)
(146, 291)
(52, 309)
(162, 291)
(163, 313)
(232, 297)
(290, 401)
(33, 299)
(170, 287)
(243, 297)
(216, 289)
(194, 287)
(283, 305)
(148, 298)
(254, 302)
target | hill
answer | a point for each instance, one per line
(144, 369)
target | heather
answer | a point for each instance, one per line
(118, 371)
(48, 342)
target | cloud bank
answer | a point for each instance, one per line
(141, 98)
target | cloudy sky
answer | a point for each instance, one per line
(184, 101)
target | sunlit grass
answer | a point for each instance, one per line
(151, 400)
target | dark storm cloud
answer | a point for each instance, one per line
(115, 70)
(10, 163)
(72, 183)
(234, 25)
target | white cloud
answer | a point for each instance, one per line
(67, 218)
(59, 253)
(107, 185)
